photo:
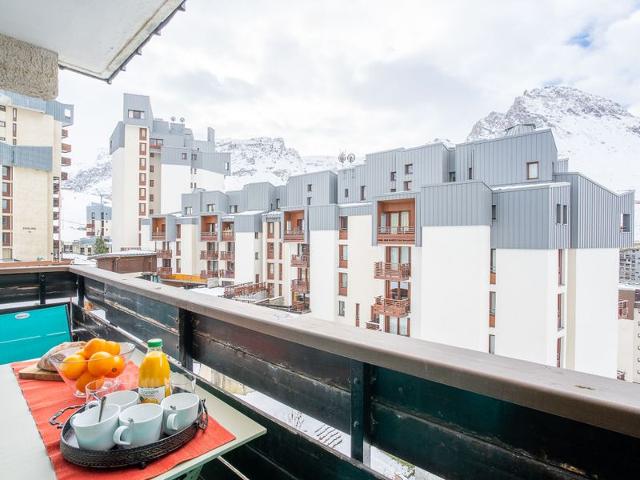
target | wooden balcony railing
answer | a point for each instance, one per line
(299, 307)
(66, 148)
(164, 253)
(271, 253)
(390, 307)
(342, 291)
(294, 235)
(228, 235)
(158, 235)
(227, 255)
(64, 176)
(270, 234)
(226, 273)
(429, 403)
(208, 236)
(153, 144)
(164, 271)
(245, 289)
(300, 286)
(208, 254)
(65, 161)
(209, 273)
(492, 278)
(392, 271)
(400, 234)
(64, 133)
(343, 263)
(300, 261)
(373, 325)
(343, 234)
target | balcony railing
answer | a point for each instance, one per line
(226, 273)
(270, 234)
(300, 286)
(343, 234)
(227, 255)
(65, 161)
(153, 144)
(66, 148)
(158, 235)
(209, 273)
(209, 236)
(373, 325)
(228, 236)
(392, 271)
(208, 254)
(399, 234)
(492, 278)
(294, 235)
(164, 253)
(299, 307)
(164, 271)
(245, 290)
(271, 253)
(446, 410)
(64, 176)
(300, 261)
(342, 291)
(64, 133)
(390, 307)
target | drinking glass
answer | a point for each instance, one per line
(182, 382)
(97, 389)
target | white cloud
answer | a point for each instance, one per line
(362, 75)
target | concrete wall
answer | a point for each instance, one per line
(125, 191)
(323, 270)
(32, 218)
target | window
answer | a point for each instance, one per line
(343, 252)
(277, 203)
(151, 168)
(178, 265)
(492, 303)
(494, 212)
(492, 263)
(142, 193)
(564, 215)
(3, 108)
(470, 173)
(137, 114)
(194, 157)
(142, 208)
(408, 169)
(151, 197)
(15, 130)
(210, 207)
(142, 177)
(492, 344)
(560, 311)
(143, 134)
(452, 176)
(308, 187)
(188, 210)
(363, 192)
(532, 170)
(343, 280)
(392, 176)
(2, 123)
(407, 185)
(559, 352)
(346, 193)
(233, 208)
(143, 163)
(152, 183)
(558, 213)
(226, 166)
(183, 155)
(255, 236)
(255, 255)
(625, 222)
(15, 114)
(308, 200)
(340, 308)
(194, 171)
(6, 205)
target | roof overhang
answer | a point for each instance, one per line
(93, 37)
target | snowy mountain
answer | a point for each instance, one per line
(600, 138)
(93, 180)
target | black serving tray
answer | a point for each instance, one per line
(121, 456)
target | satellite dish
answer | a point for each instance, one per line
(173, 119)
(351, 158)
(181, 119)
(342, 157)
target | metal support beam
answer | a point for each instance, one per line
(185, 338)
(42, 288)
(81, 292)
(360, 411)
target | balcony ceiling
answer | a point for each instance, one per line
(93, 37)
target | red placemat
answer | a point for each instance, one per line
(46, 398)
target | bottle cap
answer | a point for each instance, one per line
(154, 343)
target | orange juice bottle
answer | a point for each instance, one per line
(154, 374)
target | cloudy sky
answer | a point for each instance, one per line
(362, 75)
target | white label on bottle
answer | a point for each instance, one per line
(151, 394)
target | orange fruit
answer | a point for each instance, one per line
(117, 368)
(94, 345)
(100, 364)
(73, 366)
(85, 378)
(112, 347)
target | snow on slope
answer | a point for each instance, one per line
(600, 137)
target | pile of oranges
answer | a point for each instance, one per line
(98, 359)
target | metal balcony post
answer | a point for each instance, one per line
(360, 412)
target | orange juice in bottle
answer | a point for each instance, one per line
(154, 374)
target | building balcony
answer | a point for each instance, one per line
(429, 404)
(343, 263)
(227, 255)
(492, 278)
(208, 254)
(164, 253)
(373, 325)
(65, 161)
(155, 144)
(390, 307)
(271, 253)
(208, 236)
(228, 235)
(300, 261)
(245, 290)
(158, 235)
(492, 320)
(164, 271)
(65, 147)
(64, 133)
(208, 273)
(398, 272)
(226, 274)
(90, 231)
(64, 176)
(342, 291)
(299, 307)
(294, 235)
(300, 286)
(343, 234)
(397, 234)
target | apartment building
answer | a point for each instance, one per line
(154, 162)
(629, 333)
(490, 245)
(630, 265)
(98, 220)
(34, 150)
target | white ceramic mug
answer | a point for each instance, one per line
(123, 398)
(94, 435)
(180, 411)
(139, 425)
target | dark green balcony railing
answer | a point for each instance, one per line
(456, 413)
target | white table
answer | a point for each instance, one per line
(22, 453)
